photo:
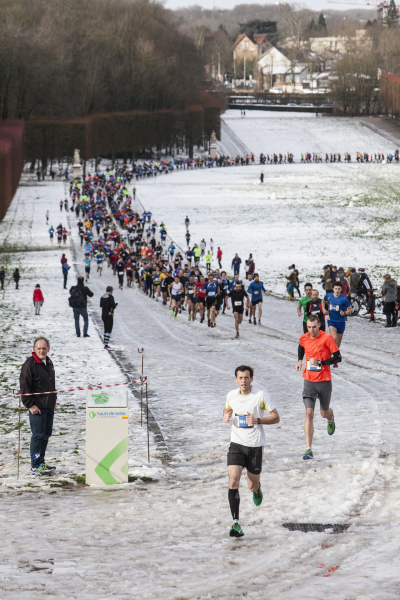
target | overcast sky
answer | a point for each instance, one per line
(225, 4)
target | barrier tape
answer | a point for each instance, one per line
(95, 387)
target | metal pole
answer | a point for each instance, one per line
(141, 389)
(147, 419)
(19, 433)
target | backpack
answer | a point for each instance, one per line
(77, 299)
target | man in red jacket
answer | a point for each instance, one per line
(219, 257)
(38, 377)
(37, 299)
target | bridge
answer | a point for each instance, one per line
(254, 103)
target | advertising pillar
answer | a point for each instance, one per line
(106, 437)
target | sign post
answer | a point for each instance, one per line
(106, 437)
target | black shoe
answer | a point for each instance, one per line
(86, 335)
(79, 335)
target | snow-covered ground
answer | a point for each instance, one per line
(168, 538)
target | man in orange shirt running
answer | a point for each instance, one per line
(321, 352)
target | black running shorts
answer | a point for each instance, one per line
(210, 302)
(255, 302)
(246, 456)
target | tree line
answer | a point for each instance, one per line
(69, 59)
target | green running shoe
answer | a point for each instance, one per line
(331, 427)
(236, 530)
(257, 497)
(308, 454)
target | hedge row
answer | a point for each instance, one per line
(11, 161)
(122, 133)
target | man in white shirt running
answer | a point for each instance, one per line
(248, 408)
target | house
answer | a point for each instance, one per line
(249, 47)
(285, 69)
(334, 46)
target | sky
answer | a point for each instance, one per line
(228, 4)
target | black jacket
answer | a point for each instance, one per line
(107, 304)
(37, 377)
(85, 291)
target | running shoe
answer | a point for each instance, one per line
(202, 320)
(246, 313)
(237, 335)
(259, 322)
(308, 454)
(176, 318)
(48, 468)
(236, 530)
(331, 427)
(106, 347)
(39, 471)
(190, 318)
(250, 321)
(336, 366)
(257, 497)
(254, 321)
(209, 323)
(212, 325)
(172, 313)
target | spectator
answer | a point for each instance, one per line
(65, 268)
(16, 277)
(390, 292)
(38, 376)
(37, 299)
(236, 264)
(78, 302)
(219, 257)
(2, 277)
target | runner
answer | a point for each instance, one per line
(156, 283)
(237, 295)
(314, 307)
(200, 298)
(255, 289)
(208, 259)
(100, 256)
(191, 297)
(249, 408)
(338, 308)
(302, 304)
(120, 272)
(87, 261)
(129, 272)
(212, 289)
(175, 290)
(321, 352)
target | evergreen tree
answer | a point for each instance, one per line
(321, 22)
(392, 16)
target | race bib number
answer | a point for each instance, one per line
(238, 303)
(191, 292)
(242, 421)
(211, 294)
(311, 367)
(334, 307)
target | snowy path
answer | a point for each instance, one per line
(168, 538)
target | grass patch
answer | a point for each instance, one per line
(132, 478)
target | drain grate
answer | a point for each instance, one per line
(306, 527)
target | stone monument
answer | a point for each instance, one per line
(213, 146)
(77, 171)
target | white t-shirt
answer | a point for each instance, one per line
(246, 284)
(258, 404)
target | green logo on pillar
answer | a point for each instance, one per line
(92, 415)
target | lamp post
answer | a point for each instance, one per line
(246, 45)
